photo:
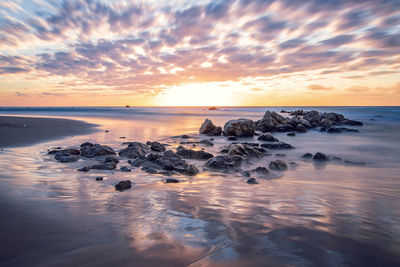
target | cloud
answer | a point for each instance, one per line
(318, 87)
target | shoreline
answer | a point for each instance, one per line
(16, 131)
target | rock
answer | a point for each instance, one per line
(134, 150)
(270, 121)
(301, 128)
(284, 111)
(326, 123)
(280, 155)
(136, 162)
(171, 180)
(246, 174)
(323, 129)
(313, 117)
(299, 112)
(185, 136)
(111, 159)
(66, 157)
(250, 144)
(335, 118)
(284, 128)
(193, 154)
(206, 142)
(260, 172)
(213, 108)
(352, 123)
(268, 137)
(334, 130)
(125, 169)
(225, 162)
(320, 157)
(279, 145)
(232, 138)
(123, 185)
(209, 128)
(291, 134)
(84, 169)
(87, 144)
(278, 165)
(240, 127)
(99, 178)
(96, 150)
(156, 146)
(252, 181)
(70, 151)
(307, 156)
(104, 166)
(172, 162)
(241, 150)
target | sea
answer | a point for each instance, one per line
(343, 212)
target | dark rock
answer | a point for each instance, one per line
(344, 129)
(268, 137)
(279, 145)
(241, 150)
(284, 111)
(99, 178)
(352, 123)
(71, 151)
(307, 156)
(323, 129)
(250, 144)
(326, 123)
(240, 127)
(125, 169)
(320, 157)
(96, 150)
(206, 142)
(171, 180)
(66, 157)
(106, 131)
(149, 170)
(152, 156)
(193, 154)
(252, 181)
(278, 165)
(291, 134)
(123, 185)
(299, 112)
(134, 150)
(313, 117)
(260, 172)
(84, 169)
(232, 138)
(111, 159)
(284, 128)
(301, 128)
(185, 136)
(246, 174)
(156, 146)
(173, 162)
(87, 144)
(136, 162)
(104, 166)
(225, 162)
(335, 118)
(280, 155)
(209, 128)
(334, 130)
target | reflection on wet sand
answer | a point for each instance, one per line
(314, 215)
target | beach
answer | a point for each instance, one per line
(23, 131)
(333, 213)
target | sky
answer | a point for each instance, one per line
(199, 53)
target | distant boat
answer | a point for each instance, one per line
(127, 106)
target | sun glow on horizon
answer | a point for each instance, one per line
(198, 94)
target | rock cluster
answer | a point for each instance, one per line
(209, 128)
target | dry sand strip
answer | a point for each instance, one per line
(23, 131)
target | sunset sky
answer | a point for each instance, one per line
(191, 53)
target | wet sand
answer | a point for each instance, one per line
(23, 131)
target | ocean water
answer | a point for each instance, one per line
(332, 214)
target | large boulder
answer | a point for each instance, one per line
(240, 127)
(193, 154)
(270, 121)
(335, 118)
(96, 150)
(241, 150)
(313, 117)
(209, 128)
(170, 161)
(225, 162)
(134, 150)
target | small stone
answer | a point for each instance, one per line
(106, 131)
(291, 134)
(301, 128)
(268, 137)
(320, 157)
(111, 159)
(280, 155)
(278, 165)
(171, 180)
(125, 169)
(87, 144)
(185, 136)
(99, 178)
(84, 169)
(252, 181)
(334, 130)
(123, 185)
(105, 166)
(307, 156)
(232, 138)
